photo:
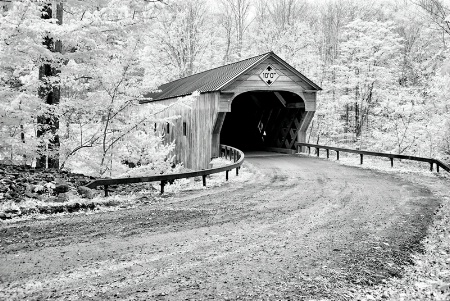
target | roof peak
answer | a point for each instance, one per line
(226, 65)
(218, 78)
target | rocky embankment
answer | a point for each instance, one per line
(19, 184)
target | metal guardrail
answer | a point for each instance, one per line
(438, 163)
(227, 151)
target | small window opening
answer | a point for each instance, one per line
(168, 128)
(156, 127)
(184, 129)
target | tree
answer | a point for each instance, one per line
(101, 77)
(182, 35)
(49, 91)
(22, 32)
(235, 18)
(367, 67)
(437, 11)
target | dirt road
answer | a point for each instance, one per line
(301, 229)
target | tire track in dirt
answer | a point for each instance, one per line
(301, 228)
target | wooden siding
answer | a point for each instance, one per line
(287, 81)
(194, 149)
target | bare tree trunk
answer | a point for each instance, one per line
(236, 12)
(50, 93)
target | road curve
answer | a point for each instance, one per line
(301, 228)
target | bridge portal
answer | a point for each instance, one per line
(263, 119)
(258, 103)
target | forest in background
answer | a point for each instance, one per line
(384, 67)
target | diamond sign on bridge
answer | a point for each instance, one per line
(269, 76)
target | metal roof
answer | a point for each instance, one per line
(215, 79)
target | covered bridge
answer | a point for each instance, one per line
(257, 103)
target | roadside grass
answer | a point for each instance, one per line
(428, 277)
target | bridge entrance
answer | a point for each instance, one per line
(259, 103)
(263, 119)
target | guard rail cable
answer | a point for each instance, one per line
(438, 163)
(225, 151)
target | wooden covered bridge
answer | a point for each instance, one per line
(258, 103)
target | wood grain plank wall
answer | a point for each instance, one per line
(287, 81)
(195, 149)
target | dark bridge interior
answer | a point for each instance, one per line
(263, 119)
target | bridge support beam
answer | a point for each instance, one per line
(306, 120)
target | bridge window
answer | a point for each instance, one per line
(184, 129)
(168, 128)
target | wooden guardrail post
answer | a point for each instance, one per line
(226, 177)
(164, 179)
(163, 183)
(328, 153)
(362, 153)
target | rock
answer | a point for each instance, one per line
(59, 209)
(62, 198)
(86, 192)
(28, 187)
(74, 207)
(61, 188)
(51, 199)
(12, 211)
(11, 195)
(49, 178)
(31, 195)
(2, 215)
(7, 181)
(44, 209)
(38, 188)
(50, 186)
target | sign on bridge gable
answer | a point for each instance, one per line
(269, 75)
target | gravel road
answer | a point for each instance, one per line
(300, 229)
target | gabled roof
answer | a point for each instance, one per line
(216, 79)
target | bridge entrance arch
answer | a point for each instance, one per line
(263, 119)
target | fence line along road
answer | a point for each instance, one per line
(439, 164)
(225, 151)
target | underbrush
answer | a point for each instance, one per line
(121, 196)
